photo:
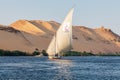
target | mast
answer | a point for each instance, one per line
(55, 44)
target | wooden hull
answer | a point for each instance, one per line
(54, 57)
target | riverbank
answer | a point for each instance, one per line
(21, 53)
(43, 52)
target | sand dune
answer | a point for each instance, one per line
(11, 39)
(26, 26)
(26, 35)
(96, 41)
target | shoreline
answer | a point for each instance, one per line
(43, 53)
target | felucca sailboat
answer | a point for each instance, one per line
(62, 40)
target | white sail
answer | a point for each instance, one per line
(62, 40)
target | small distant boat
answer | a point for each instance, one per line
(62, 40)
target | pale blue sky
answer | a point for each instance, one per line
(90, 13)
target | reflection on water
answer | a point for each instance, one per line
(69, 68)
(63, 68)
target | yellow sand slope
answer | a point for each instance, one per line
(27, 35)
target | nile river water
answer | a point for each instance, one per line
(69, 68)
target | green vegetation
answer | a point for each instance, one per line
(44, 53)
(20, 53)
(109, 54)
(12, 53)
(75, 53)
(36, 52)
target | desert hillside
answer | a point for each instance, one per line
(27, 35)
